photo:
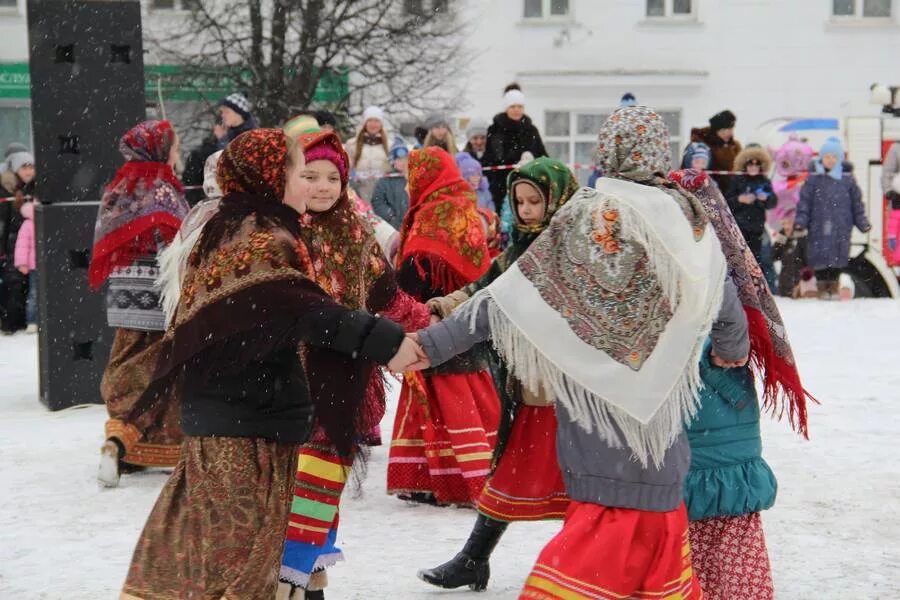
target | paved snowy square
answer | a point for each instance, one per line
(834, 532)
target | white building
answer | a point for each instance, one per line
(688, 58)
(575, 58)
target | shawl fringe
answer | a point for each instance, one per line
(126, 244)
(441, 273)
(172, 262)
(782, 389)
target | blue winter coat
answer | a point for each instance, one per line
(829, 209)
(728, 476)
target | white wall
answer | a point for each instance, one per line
(760, 58)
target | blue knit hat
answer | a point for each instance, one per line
(834, 146)
(695, 150)
(398, 149)
(628, 100)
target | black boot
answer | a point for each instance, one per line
(470, 567)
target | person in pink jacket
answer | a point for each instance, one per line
(26, 263)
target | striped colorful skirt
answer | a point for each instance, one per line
(731, 559)
(605, 553)
(444, 435)
(527, 484)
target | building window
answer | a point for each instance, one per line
(670, 8)
(8, 4)
(546, 9)
(869, 9)
(571, 137)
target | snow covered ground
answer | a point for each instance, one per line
(834, 532)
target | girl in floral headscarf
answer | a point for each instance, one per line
(351, 267)
(526, 484)
(446, 423)
(607, 311)
(140, 212)
(248, 302)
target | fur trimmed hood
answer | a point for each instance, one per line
(753, 153)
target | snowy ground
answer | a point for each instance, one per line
(834, 532)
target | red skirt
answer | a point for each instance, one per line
(527, 484)
(444, 435)
(616, 553)
(731, 559)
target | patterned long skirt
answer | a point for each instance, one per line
(731, 559)
(444, 435)
(607, 553)
(217, 529)
(527, 484)
(150, 433)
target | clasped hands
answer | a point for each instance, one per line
(410, 356)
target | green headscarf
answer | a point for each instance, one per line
(556, 183)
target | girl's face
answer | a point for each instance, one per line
(829, 161)
(230, 118)
(753, 170)
(474, 181)
(439, 133)
(700, 163)
(26, 173)
(295, 186)
(725, 134)
(529, 204)
(324, 185)
(373, 126)
(479, 142)
(515, 112)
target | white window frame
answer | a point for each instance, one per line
(575, 138)
(669, 12)
(16, 10)
(858, 15)
(545, 13)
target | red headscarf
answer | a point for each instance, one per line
(144, 204)
(442, 224)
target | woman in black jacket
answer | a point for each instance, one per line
(509, 137)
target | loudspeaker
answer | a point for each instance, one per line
(74, 341)
(87, 89)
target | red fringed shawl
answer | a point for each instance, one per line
(442, 226)
(771, 356)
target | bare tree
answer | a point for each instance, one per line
(398, 54)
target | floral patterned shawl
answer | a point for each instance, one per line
(770, 350)
(621, 289)
(442, 225)
(143, 205)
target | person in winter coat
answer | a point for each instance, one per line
(390, 200)
(26, 263)
(236, 114)
(789, 247)
(751, 195)
(830, 205)
(471, 172)
(193, 167)
(510, 136)
(476, 139)
(792, 161)
(369, 153)
(696, 156)
(719, 136)
(440, 134)
(17, 184)
(890, 184)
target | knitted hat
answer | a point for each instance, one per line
(753, 153)
(628, 99)
(514, 97)
(373, 112)
(435, 120)
(468, 166)
(398, 149)
(695, 150)
(300, 124)
(17, 160)
(14, 147)
(833, 146)
(239, 104)
(476, 127)
(325, 117)
(722, 120)
(327, 151)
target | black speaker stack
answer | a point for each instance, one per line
(87, 89)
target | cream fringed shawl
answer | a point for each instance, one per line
(610, 308)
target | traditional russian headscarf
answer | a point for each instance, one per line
(442, 225)
(771, 355)
(621, 289)
(142, 207)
